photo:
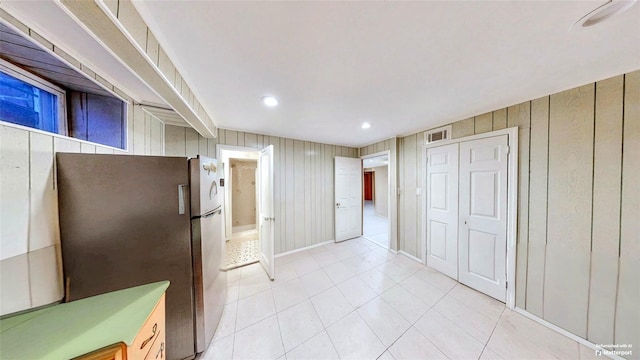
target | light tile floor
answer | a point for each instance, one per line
(355, 300)
(375, 227)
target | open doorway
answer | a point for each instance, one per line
(243, 246)
(247, 183)
(375, 215)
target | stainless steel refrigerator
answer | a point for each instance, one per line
(132, 220)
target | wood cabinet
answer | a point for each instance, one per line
(149, 343)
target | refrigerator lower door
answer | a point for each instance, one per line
(210, 283)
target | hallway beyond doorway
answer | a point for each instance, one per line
(243, 249)
(375, 227)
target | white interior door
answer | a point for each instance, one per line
(483, 215)
(348, 198)
(267, 216)
(442, 209)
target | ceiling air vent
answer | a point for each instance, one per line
(439, 134)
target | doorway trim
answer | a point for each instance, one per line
(374, 155)
(512, 201)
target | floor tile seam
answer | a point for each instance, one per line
(404, 317)
(424, 302)
(370, 326)
(429, 339)
(235, 324)
(462, 329)
(284, 352)
(324, 328)
(485, 317)
(492, 331)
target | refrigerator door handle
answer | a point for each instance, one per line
(181, 189)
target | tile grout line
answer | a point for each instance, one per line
(492, 331)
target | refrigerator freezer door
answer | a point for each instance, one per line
(120, 227)
(210, 282)
(206, 193)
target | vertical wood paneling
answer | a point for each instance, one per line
(627, 330)
(500, 119)
(231, 137)
(130, 120)
(537, 244)
(419, 252)
(282, 199)
(43, 218)
(462, 128)
(104, 150)
(298, 194)
(307, 194)
(147, 133)
(606, 210)
(289, 195)
(157, 137)
(138, 131)
(84, 148)
(212, 147)
(192, 143)
(14, 191)
(409, 194)
(175, 144)
(203, 148)
(483, 123)
(566, 287)
(278, 243)
(251, 140)
(520, 116)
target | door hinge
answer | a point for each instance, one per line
(506, 284)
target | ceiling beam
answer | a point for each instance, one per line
(110, 24)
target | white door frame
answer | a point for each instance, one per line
(223, 152)
(512, 202)
(381, 153)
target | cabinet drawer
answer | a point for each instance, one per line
(152, 330)
(159, 349)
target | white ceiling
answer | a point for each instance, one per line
(402, 66)
(48, 19)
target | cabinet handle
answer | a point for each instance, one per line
(153, 334)
(160, 352)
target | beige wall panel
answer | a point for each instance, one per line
(14, 191)
(523, 217)
(112, 5)
(139, 131)
(419, 150)
(298, 194)
(290, 201)
(308, 194)
(152, 47)
(136, 27)
(251, 140)
(203, 148)
(519, 115)
(627, 330)
(462, 128)
(212, 147)
(192, 143)
(45, 283)
(566, 287)
(106, 150)
(381, 203)
(409, 195)
(175, 144)
(500, 119)
(84, 148)
(166, 66)
(231, 137)
(537, 238)
(483, 123)
(606, 210)
(147, 133)
(43, 220)
(15, 294)
(157, 137)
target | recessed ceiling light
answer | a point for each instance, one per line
(270, 101)
(604, 12)
(366, 125)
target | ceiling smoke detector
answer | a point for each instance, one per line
(604, 12)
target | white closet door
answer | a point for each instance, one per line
(442, 209)
(483, 215)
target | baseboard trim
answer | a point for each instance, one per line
(410, 256)
(302, 249)
(564, 332)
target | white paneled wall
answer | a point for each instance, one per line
(29, 233)
(578, 253)
(303, 173)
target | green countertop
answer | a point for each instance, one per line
(76, 328)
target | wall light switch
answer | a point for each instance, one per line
(418, 191)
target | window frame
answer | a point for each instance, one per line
(35, 80)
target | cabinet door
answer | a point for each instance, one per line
(442, 209)
(482, 245)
